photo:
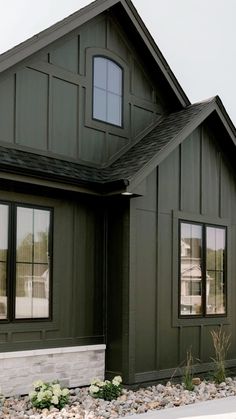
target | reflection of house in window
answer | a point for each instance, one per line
(34, 295)
(202, 273)
(191, 286)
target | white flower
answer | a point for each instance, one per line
(48, 394)
(65, 391)
(93, 389)
(118, 378)
(57, 392)
(40, 396)
(55, 400)
(32, 394)
(115, 383)
(95, 381)
(38, 384)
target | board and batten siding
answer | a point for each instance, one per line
(194, 181)
(46, 101)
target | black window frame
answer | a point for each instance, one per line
(204, 314)
(11, 262)
(107, 58)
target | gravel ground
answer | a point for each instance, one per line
(83, 406)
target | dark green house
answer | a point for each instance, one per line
(117, 208)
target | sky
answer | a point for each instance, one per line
(196, 37)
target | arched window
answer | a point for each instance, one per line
(107, 91)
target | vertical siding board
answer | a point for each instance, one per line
(145, 275)
(64, 118)
(66, 55)
(117, 280)
(169, 183)
(190, 342)
(210, 175)
(7, 88)
(31, 108)
(190, 179)
(168, 344)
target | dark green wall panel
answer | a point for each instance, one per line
(210, 174)
(116, 42)
(190, 173)
(117, 318)
(88, 253)
(67, 55)
(142, 119)
(190, 342)
(31, 108)
(93, 147)
(7, 93)
(169, 180)
(115, 144)
(140, 84)
(64, 118)
(145, 291)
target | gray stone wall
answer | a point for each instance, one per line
(71, 366)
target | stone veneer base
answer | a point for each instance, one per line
(72, 366)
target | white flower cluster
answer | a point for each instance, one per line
(96, 387)
(47, 394)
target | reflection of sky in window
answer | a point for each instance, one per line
(215, 238)
(191, 231)
(4, 227)
(31, 221)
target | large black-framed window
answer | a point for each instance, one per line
(107, 91)
(202, 269)
(25, 262)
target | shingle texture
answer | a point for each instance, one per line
(123, 169)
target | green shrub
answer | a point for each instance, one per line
(46, 395)
(188, 372)
(221, 342)
(107, 390)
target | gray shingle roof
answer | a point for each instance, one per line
(125, 168)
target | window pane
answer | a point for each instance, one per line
(3, 290)
(32, 291)
(191, 269)
(215, 289)
(24, 237)
(32, 267)
(114, 78)
(114, 109)
(3, 259)
(3, 232)
(41, 230)
(99, 104)
(107, 91)
(100, 72)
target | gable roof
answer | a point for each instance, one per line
(133, 166)
(38, 42)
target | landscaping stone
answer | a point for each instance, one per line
(83, 406)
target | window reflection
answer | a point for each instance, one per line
(202, 270)
(32, 263)
(107, 91)
(191, 269)
(215, 270)
(4, 211)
